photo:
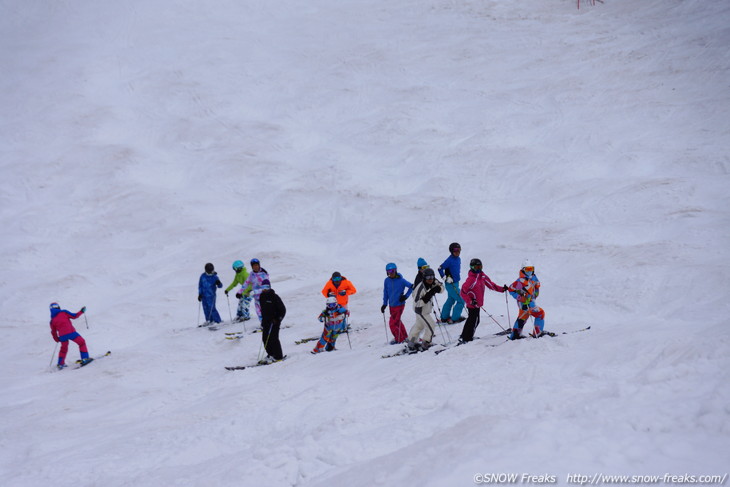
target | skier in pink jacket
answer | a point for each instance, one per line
(472, 292)
(63, 331)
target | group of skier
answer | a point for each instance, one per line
(397, 290)
(255, 286)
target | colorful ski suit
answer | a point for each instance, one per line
(451, 267)
(207, 285)
(253, 285)
(342, 290)
(393, 297)
(526, 290)
(472, 292)
(63, 331)
(334, 324)
(242, 312)
(423, 307)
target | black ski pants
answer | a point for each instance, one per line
(470, 325)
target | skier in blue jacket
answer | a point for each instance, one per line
(451, 271)
(207, 285)
(394, 288)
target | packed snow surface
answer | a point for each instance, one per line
(141, 139)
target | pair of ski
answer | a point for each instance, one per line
(259, 364)
(407, 351)
(80, 363)
(223, 324)
(237, 335)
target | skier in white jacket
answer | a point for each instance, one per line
(422, 305)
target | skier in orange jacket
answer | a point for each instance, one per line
(340, 287)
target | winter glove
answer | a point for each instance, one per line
(200, 297)
(342, 293)
(382, 308)
(449, 280)
(239, 295)
(447, 272)
(218, 283)
(226, 292)
(474, 302)
(403, 298)
(524, 307)
(504, 288)
(83, 309)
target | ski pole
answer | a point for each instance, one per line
(347, 331)
(386, 329)
(488, 314)
(230, 315)
(87, 321)
(443, 326)
(506, 302)
(199, 305)
(53, 355)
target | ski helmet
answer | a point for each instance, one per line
(266, 284)
(237, 266)
(331, 302)
(54, 306)
(429, 274)
(209, 268)
(527, 267)
(474, 263)
(255, 261)
(336, 277)
(391, 267)
(454, 246)
(421, 263)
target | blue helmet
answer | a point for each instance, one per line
(391, 267)
(238, 265)
(54, 306)
(255, 261)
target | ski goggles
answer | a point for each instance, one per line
(391, 271)
(336, 279)
(530, 268)
(429, 278)
(424, 267)
(476, 267)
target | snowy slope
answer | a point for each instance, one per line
(140, 140)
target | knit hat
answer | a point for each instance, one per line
(421, 262)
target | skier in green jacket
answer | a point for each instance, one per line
(244, 299)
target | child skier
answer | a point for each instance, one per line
(333, 318)
(253, 284)
(450, 269)
(422, 305)
(473, 294)
(393, 288)
(207, 285)
(63, 331)
(525, 290)
(340, 287)
(272, 314)
(242, 312)
(422, 266)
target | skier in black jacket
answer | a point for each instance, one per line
(272, 313)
